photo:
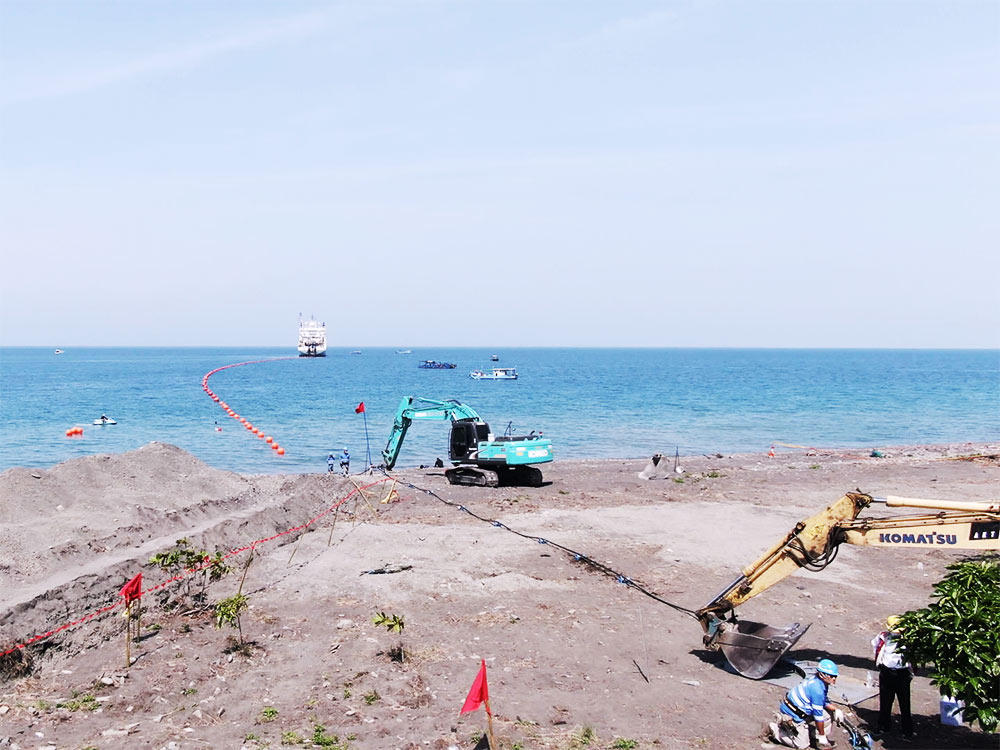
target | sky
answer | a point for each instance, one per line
(572, 173)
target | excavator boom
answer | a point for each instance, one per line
(753, 648)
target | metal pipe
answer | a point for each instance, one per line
(894, 501)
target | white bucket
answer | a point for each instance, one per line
(951, 711)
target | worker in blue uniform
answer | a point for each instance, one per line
(803, 718)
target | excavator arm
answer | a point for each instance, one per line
(409, 409)
(753, 648)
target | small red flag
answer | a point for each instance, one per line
(360, 408)
(133, 589)
(478, 693)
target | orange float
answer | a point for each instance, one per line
(281, 451)
(269, 439)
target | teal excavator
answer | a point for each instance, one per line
(479, 458)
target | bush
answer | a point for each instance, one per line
(958, 635)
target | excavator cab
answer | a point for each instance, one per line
(466, 435)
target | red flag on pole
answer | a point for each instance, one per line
(480, 692)
(360, 408)
(133, 589)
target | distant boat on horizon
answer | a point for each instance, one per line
(312, 338)
(58, 351)
(403, 351)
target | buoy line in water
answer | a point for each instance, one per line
(230, 412)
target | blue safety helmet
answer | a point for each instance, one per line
(827, 667)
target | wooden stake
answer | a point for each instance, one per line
(249, 560)
(128, 634)
(489, 725)
(336, 510)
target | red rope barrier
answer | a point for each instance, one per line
(190, 571)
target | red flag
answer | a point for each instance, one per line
(478, 693)
(360, 408)
(133, 589)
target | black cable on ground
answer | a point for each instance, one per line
(577, 556)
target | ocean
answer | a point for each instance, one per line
(592, 403)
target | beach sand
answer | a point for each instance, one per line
(571, 653)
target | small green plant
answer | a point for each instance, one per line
(87, 702)
(228, 611)
(268, 713)
(291, 737)
(371, 697)
(251, 737)
(347, 693)
(392, 623)
(679, 480)
(711, 475)
(189, 691)
(583, 738)
(42, 705)
(321, 739)
(623, 744)
(813, 466)
(183, 557)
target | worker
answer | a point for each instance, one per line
(805, 710)
(330, 463)
(894, 676)
(345, 462)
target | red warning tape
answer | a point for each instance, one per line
(232, 413)
(189, 571)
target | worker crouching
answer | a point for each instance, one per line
(803, 718)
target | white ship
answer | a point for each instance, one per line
(312, 338)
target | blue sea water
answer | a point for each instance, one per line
(592, 403)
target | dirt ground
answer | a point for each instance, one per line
(575, 657)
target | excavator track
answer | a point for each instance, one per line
(470, 477)
(523, 476)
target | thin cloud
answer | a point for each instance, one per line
(187, 57)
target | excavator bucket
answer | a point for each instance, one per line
(752, 648)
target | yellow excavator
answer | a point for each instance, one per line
(752, 648)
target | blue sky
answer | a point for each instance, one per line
(500, 173)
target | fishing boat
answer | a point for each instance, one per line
(433, 364)
(312, 338)
(497, 373)
(403, 351)
(58, 351)
(494, 358)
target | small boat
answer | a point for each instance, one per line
(494, 358)
(356, 351)
(403, 351)
(497, 373)
(312, 338)
(433, 364)
(59, 351)
(104, 420)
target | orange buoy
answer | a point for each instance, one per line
(275, 446)
(260, 434)
(70, 432)
(281, 451)
(268, 439)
